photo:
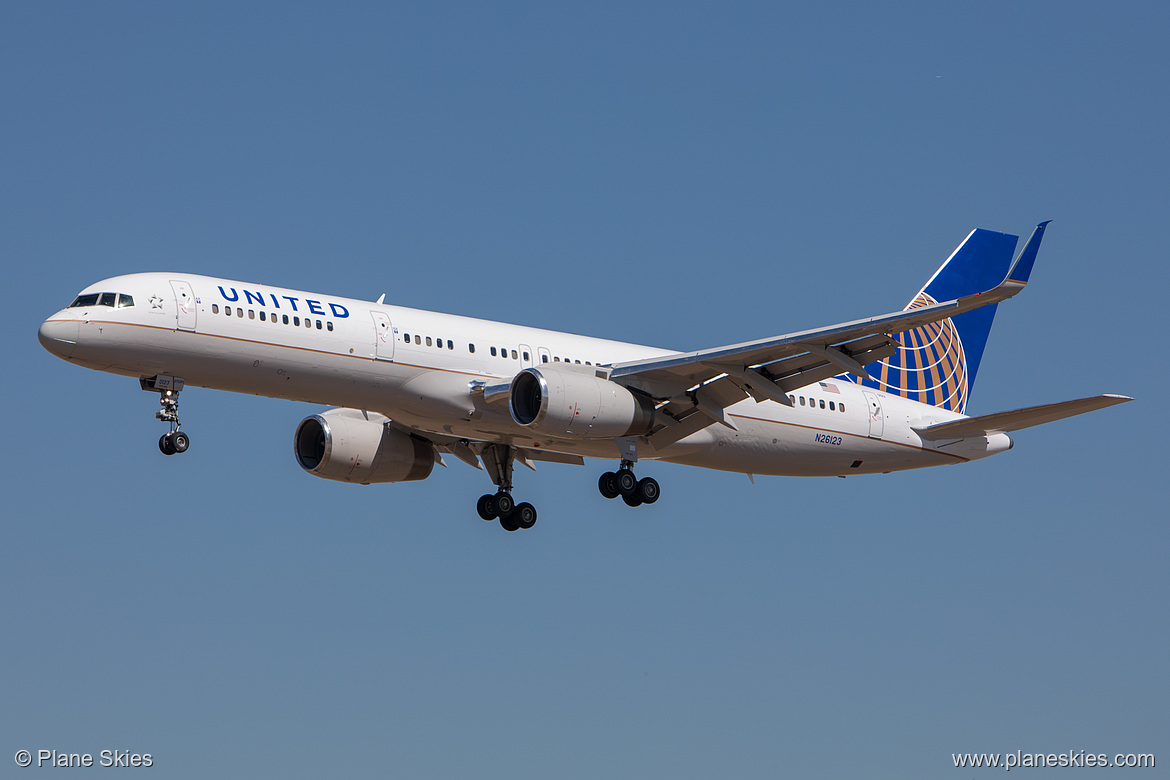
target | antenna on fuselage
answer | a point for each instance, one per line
(381, 297)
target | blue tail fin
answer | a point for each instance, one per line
(937, 363)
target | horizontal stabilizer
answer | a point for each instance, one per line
(1005, 422)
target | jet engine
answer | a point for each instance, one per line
(351, 446)
(567, 404)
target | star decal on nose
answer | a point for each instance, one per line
(155, 302)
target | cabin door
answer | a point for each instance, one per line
(184, 305)
(383, 336)
(877, 419)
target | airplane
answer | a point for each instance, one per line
(407, 387)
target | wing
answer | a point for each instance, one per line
(770, 368)
(784, 362)
(693, 389)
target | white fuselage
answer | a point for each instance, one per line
(419, 369)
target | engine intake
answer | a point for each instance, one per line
(345, 445)
(571, 405)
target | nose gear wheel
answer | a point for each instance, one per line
(174, 442)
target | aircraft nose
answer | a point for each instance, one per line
(59, 336)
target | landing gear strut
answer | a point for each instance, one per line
(633, 491)
(498, 458)
(174, 441)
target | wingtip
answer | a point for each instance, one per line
(1021, 269)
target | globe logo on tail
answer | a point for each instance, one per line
(929, 366)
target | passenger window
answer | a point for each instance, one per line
(318, 324)
(296, 322)
(125, 301)
(792, 400)
(556, 359)
(239, 313)
(471, 348)
(108, 299)
(251, 314)
(406, 337)
(822, 403)
(263, 316)
(284, 318)
(514, 355)
(842, 407)
(832, 407)
(578, 362)
(802, 400)
(84, 300)
(227, 310)
(418, 340)
(215, 308)
(308, 322)
(329, 326)
(428, 341)
(544, 358)
(526, 356)
(493, 351)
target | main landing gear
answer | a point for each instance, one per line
(498, 458)
(633, 491)
(174, 441)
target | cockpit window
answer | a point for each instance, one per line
(112, 300)
(85, 300)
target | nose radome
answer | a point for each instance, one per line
(59, 336)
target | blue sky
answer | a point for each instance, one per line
(684, 175)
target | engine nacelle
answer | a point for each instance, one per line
(344, 445)
(567, 404)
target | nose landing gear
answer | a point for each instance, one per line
(174, 441)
